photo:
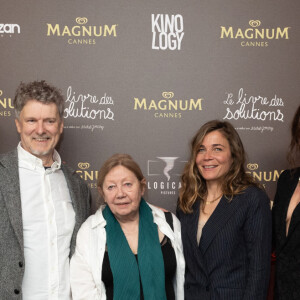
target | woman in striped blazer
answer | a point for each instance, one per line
(225, 218)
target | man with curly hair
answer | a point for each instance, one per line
(42, 202)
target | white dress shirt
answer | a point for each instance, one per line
(48, 223)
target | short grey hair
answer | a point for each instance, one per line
(40, 91)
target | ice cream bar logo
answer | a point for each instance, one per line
(255, 35)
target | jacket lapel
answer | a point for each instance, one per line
(285, 194)
(222, 213)
(191, 227)
(193, 223)
(296, 214)
(9, 174)
(74, 190)
(294, 221)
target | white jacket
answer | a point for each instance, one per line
(86, 263)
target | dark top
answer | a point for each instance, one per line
(170, 270)
(233, 258)
(287, 248)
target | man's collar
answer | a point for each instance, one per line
(30, 161)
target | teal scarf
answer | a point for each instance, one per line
(125, 268)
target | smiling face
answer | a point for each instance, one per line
(214, 157)
(122, 192)
(40, 127)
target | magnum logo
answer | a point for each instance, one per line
(5, 106)
(81, 21)
(90, 176)
(83, 166)
(82, 33)
(252, 167)
(254, 23)
(168, 107)
(255, 36)
(263, 176)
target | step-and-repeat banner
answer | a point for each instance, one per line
(141, 77)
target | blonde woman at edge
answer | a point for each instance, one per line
(286, 223)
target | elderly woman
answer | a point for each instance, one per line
(127, 250)
(286, 223)
(225, 220)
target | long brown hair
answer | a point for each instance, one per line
(235, 181)
(294, 148)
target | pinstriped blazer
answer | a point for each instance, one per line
(12, 262)
(232, 261)
(287, 248)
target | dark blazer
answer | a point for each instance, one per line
(233, 258)
(287, 248)
(12, 261)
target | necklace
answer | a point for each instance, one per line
(212, 201)
(203, 204)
